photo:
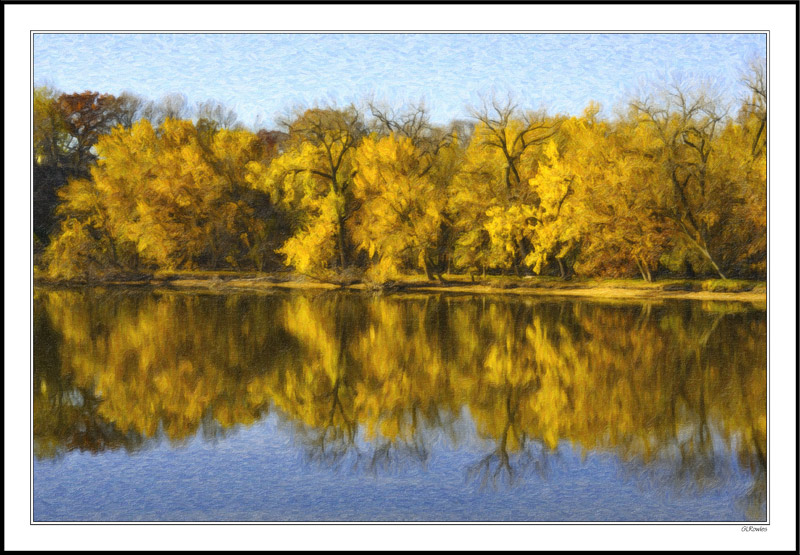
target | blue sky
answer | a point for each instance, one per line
(266, 74)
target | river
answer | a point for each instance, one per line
(157, 405)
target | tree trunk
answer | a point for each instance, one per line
(705, 253)
(639, 265)
(114, 255)
(714, 264)
(561, 268)
(342, 256)
(426, 267)
(432, 270)
(701, 247)
(643, 269)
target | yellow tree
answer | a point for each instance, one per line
(440, 154)
(750, 135)
(98, 214)
(559, 218)
(743, 171)
(160, 198)
(85, 244)
(598, 206)
(491, 197)
(401, 207)
(251, 226)
(311, 206)
(314, 177)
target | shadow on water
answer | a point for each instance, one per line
(675, 391)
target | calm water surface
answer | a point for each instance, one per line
(158, 405)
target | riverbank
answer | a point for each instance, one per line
(703, 290)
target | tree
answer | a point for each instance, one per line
(680, 130)
(750, 136)
(411, 161)
(559, 220)
(400, 213)
(598, 208)
(172, 197)
(129, 108)
(753, 113)
(66, 129)
(50, 137)
(313, 178)
(511, 133)
(412, 123)
(492, 201)
(50, 150)
(86, 117)
(743, 172)
(213, 115)
(169, 106)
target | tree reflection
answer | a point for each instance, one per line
(65, 415)
(676, 391)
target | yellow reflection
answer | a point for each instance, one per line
(650, 383)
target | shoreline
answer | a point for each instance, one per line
(602, 289)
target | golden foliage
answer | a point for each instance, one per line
(671, 186)
(171, 197)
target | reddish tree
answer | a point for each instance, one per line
(86, 116)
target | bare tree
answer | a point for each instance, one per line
(129, 109)
(498, 117)
(755, 79)
(413, 123)
(170, 106)
(216, 115)
(463, 129)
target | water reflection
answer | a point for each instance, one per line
(675, 391)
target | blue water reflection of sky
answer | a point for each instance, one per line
(260, 474)
(265, 74)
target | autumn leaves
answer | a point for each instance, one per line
(673, 186)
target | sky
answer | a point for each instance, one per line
(263, 76)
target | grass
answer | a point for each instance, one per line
(731, 285)
(552, 282)
(209, 274)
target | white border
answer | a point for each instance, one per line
(778, 19)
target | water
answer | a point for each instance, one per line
(155, 405)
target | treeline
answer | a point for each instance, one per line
(674, 186)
